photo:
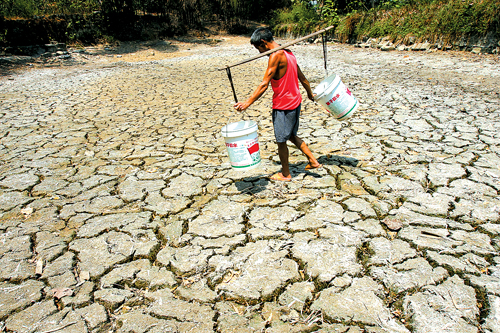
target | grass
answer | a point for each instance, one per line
(446, 19)
(450, 20)
(297, 20)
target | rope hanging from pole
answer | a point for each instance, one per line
(228, 71)
(323, 36)
(325, 53)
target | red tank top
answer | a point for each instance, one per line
(286, 90)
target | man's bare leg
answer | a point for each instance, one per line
(285, 168)
(313, 163)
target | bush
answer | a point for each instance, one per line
(18, 8)
(450, 19)
(301, 18)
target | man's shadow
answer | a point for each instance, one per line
(252, 185)
(257, 184)
(333, 160)
(337, 160)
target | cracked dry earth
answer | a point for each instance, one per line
(120, 211)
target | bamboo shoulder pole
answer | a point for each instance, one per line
(277, 49)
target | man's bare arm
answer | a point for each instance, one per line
(272, 67)
(305, 84)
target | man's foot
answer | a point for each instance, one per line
(279, 177)
(310, 167)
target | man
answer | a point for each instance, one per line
(283, 73)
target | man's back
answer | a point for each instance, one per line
(282, 64)
(286, 89)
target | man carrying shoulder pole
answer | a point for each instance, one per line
(283, 73)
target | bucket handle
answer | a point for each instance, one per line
(230, 77)
(323, 37)
(243, 113)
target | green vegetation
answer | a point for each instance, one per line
(188, 11)
(299, 19)
(30, 8)
(450, 19)
(91, 20)
(88, 21)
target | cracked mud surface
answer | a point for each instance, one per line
(119, 211)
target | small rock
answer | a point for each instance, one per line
(477, 50)
(59, 293)
(387, 48)
(393, 223)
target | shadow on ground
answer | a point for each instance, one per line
(257, 184)
(299, 168)
(338, 160)
(9, 65)
(123, 48)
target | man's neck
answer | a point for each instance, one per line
(273, 45)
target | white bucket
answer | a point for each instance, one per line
(335, 97)
(242, 144)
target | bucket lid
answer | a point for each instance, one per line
(240, 128)
(325, 86)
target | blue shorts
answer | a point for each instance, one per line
(286, 123)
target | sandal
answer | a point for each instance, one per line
(279, 177)
(310, 167)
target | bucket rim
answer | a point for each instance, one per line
(250, 127)
(334, 83)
